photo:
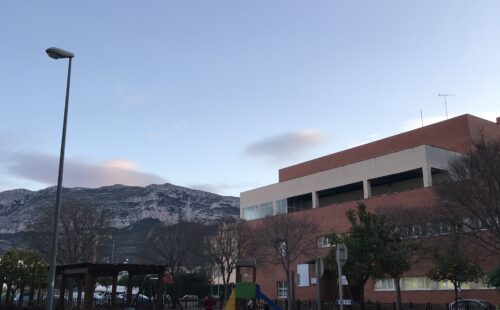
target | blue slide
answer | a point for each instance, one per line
(269, 301)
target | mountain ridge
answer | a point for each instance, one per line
(167, 202)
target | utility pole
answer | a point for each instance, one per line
(445, 106)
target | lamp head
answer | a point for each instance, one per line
(57, 53)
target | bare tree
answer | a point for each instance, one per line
(178, 246)
(80, 228)
(281, 240)
(471, 196)
(223, 248)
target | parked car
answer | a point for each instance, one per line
(472, 304)
(122, 298)
(119, 298)
(189, 297)
(26, 297)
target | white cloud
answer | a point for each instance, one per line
(223, 188)
(286, 146)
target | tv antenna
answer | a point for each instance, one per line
(422, 118)
(445, 107)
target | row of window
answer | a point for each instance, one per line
(444, 228)
(259, 211)
(424, 283)
(408, 284)
(427, 230)
(265, 209)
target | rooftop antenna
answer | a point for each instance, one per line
(445, 107)
(422, 118)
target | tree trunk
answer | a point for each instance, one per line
(455, 305)
(398, 292)
(225, 291)
(362, 295)
(39, 294)
(12, 295)
(289, 295)
(21, 296)
(32, 294)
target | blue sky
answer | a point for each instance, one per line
(218, 95)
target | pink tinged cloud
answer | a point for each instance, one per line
(77, 173)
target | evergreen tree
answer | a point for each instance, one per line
(366, 241)
(453, 264)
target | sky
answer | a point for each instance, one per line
(219, 95)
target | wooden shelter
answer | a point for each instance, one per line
(87, 273)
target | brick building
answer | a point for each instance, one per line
(397, 171)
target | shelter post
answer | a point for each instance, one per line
(62, 291)
(88, 303)
(113, 290)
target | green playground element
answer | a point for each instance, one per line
(245, 290)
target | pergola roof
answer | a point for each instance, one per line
(103, 270)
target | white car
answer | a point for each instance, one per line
(26, 297)
(472, 304)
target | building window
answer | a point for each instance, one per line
(448, 285)
(416, 231)
(258, 211)
(324, 242)
(444, 228)
(386, 284)
(281, 206)
(282, 289)
(481, 284)
(415, 283)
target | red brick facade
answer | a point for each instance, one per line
(456, 134)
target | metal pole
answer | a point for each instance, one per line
(318, 281)
(113, 253)
(55, 229)
(339, 266)
(445, 107)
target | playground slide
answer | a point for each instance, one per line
(269, 301)
(231, 302)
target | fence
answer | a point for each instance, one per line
(329, 305)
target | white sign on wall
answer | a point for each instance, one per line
(303, 274)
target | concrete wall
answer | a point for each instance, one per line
(421, 157)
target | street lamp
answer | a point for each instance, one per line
(58, 53)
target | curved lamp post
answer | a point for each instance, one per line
(58, 53)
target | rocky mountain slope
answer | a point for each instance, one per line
(135, 212)
(127, 204)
